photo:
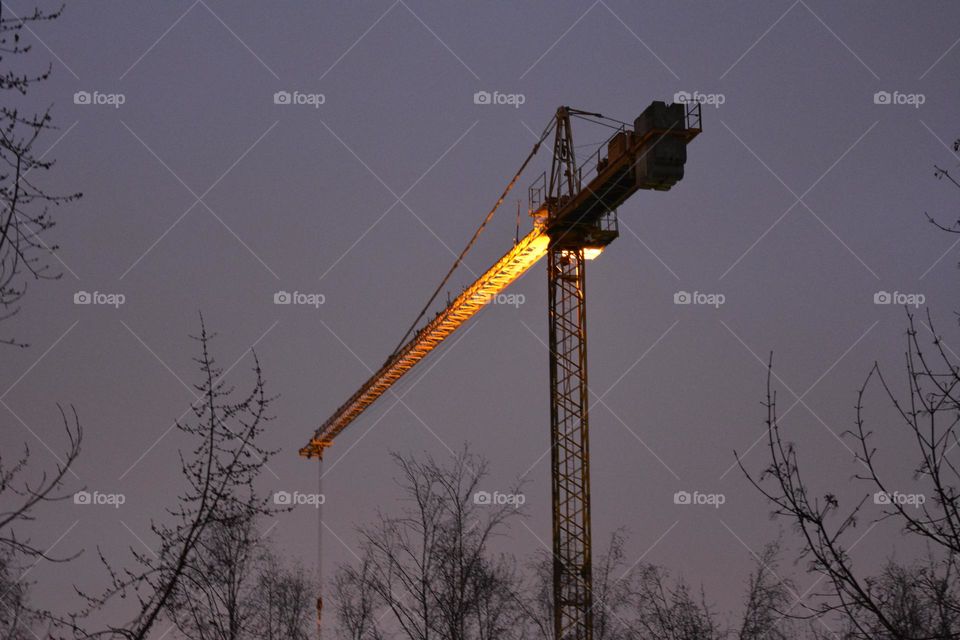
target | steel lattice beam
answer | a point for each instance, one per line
(569, 446)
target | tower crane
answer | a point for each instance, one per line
(574, 211)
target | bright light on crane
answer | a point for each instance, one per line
(591, 253)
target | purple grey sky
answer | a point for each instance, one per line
(802, 199)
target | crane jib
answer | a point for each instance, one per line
(526, 253)
(650, 155)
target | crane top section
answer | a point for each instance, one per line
(576, 210)
(650, 155)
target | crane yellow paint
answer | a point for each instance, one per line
(524, 254)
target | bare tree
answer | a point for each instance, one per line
(769, 600)
(941, 174)
(17, 617)
(284, 601)
(220, 471)
(356, 601)
(637, 601)
(24, 202)
(22, 497)
(237, 588)
(214, 598)
(429, 570)
(911, 602)
(873, 606)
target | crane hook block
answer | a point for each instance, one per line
(315, 448)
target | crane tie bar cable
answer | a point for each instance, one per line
(476, 234)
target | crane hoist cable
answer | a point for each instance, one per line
(476, 234)
(319, 576)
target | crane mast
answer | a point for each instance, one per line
(574, 213)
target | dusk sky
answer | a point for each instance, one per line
(803, 198)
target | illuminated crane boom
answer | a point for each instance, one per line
(526, 253)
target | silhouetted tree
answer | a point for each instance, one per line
(238, 588)
(284, 601)
(941, 174)
(214, 599)
(21, 497)
(220, 498)
(429, 571)
(872, 607)
(637, 601)
(24, 201)
(914, 602)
